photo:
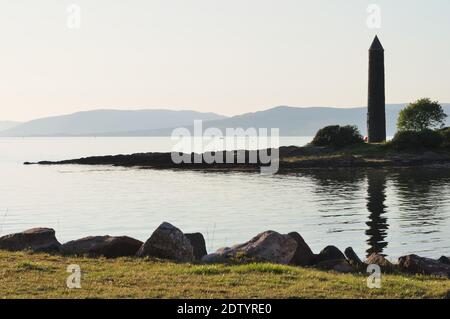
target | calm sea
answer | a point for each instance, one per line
(395, 212)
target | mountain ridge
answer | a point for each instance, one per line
(103, 120)
(6, 125)
(292, 121)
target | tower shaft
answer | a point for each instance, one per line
(376, 105)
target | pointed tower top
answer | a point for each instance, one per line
(376, 45)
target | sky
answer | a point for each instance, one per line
(228, 56)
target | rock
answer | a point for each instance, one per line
(268, 246)
(329, 253)
(168, 242)
(36, 239)
(444, 260)
(426, 266)
(198, 244)
(107, 246)
(338, 265)
(429, 156)
(353, 257)
(380, 260)
(220, 256)
(303, 254)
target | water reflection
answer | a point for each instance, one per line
(378, 226)
(336, 188)
(415, 201)
(422, 198)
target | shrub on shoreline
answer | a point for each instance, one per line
(446, 137)
(404, 140)
(338, 136)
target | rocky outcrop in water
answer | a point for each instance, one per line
(107, 246)
(36, 239)
(291, 158)
(168, 242)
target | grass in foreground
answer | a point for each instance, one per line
(26, 275)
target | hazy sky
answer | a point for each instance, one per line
(227, 56)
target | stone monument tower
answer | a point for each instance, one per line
(376, 105)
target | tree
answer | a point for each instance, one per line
(421, 115)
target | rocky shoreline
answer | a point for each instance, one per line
(170, 243)
(291, 158)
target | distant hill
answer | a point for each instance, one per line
(292, 121)
(101, 121)
(6, 125)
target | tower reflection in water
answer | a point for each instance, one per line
(376, 197)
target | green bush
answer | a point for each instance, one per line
(417, 139)
(421, 115)
(338, 136)
(446, 137)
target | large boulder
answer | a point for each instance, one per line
(338, 265)
(380, 260)
(268, 246)
(222, 255)
(444, 260)
(36, 239)
(353, 258)
(107, 246)
(426, 266)
(329, 253)
(303, 254)
(168, 242)
(198, 244)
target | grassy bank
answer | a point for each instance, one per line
(26, 275)
(369, 151)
